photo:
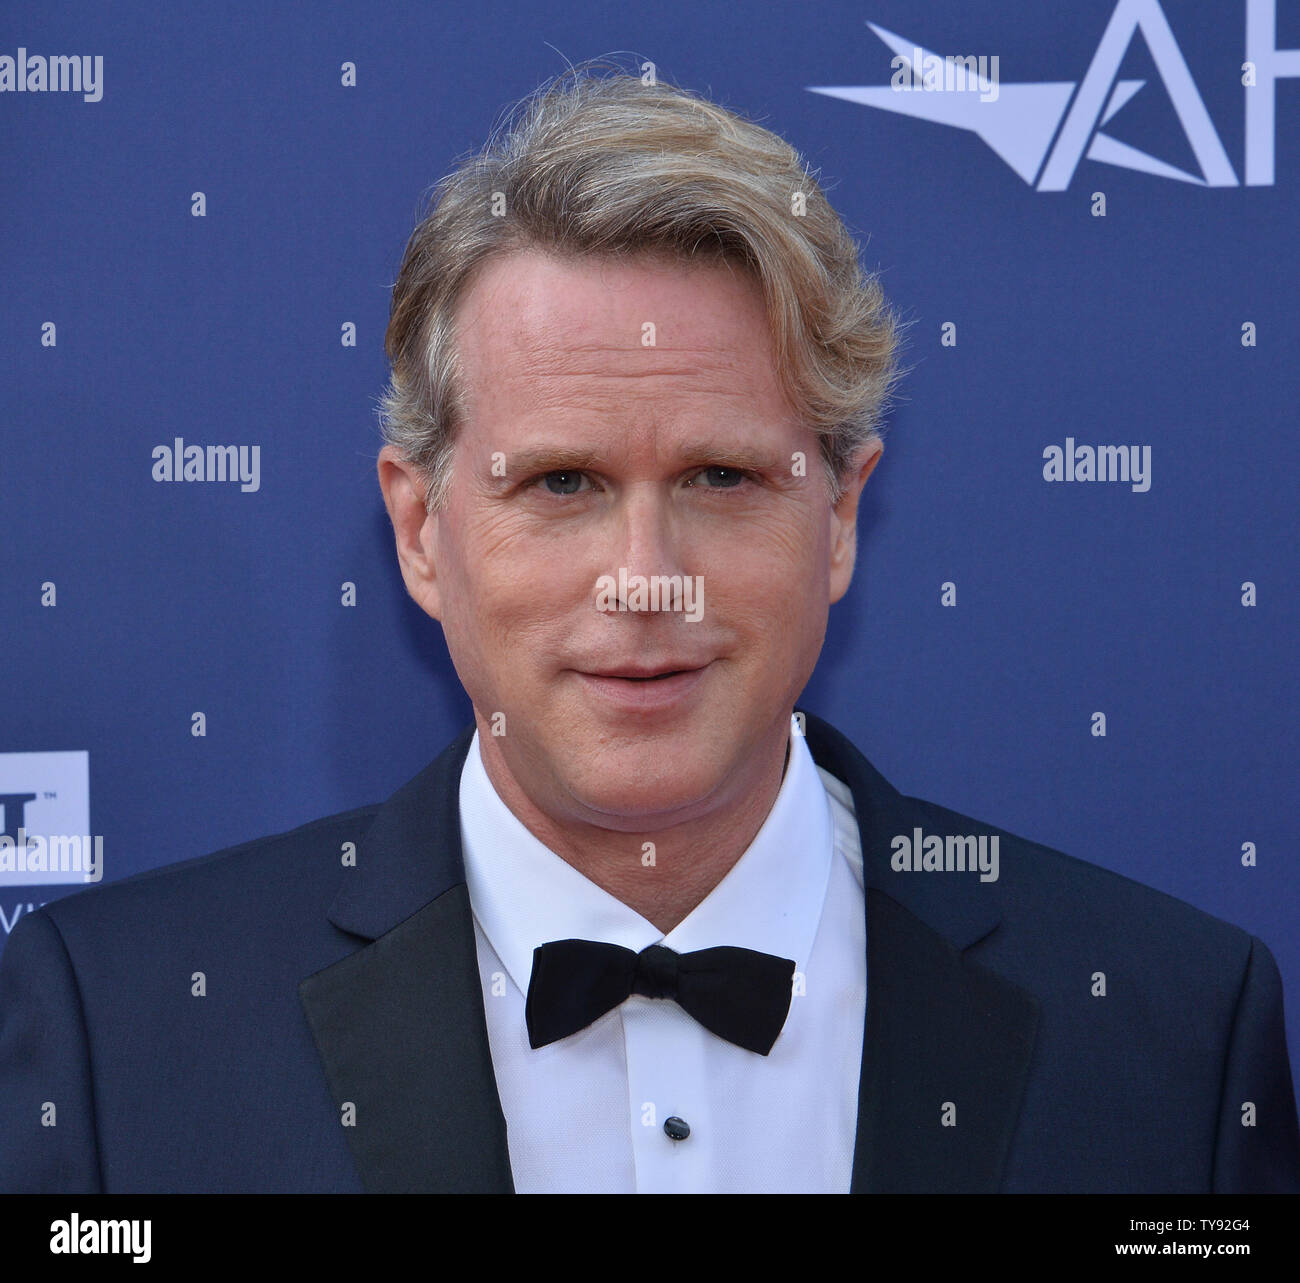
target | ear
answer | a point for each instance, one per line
(844, 520)
(413, 528)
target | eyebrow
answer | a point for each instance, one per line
(564, 458)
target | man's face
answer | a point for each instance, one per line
(626, 452)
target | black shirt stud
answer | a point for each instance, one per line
(676, 1128)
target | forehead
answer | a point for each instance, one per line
(535, 331)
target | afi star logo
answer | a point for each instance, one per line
(1020, 121)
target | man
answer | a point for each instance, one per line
(645, 926)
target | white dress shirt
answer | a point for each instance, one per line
(586, 1114)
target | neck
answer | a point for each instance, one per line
(690, 859)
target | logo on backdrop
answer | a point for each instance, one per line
(1029, 127)
(46, 839)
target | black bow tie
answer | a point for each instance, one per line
(738, 994)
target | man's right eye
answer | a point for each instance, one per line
(566, 482)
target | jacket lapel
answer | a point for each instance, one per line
(941, 1030)
(941, 1035)
(399, 1024)
(401, 1032)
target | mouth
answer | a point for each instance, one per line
(646, 690)
(642, 674)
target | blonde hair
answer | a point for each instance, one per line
(598, 165)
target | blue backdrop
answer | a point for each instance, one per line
(1104, 254)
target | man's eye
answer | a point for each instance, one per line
(566, 482)
(721, 478)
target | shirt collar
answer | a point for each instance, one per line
(524, 895)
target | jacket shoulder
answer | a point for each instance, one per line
(282, 869)
(1079, 899)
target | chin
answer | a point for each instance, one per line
(638, 788)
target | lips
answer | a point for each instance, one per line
(646, 673)
(644, 691)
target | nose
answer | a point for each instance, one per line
(646, 539)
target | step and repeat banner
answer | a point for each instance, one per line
(1074, 613)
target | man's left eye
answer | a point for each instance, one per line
(722, 478)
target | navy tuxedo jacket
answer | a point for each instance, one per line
(340, 1042)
